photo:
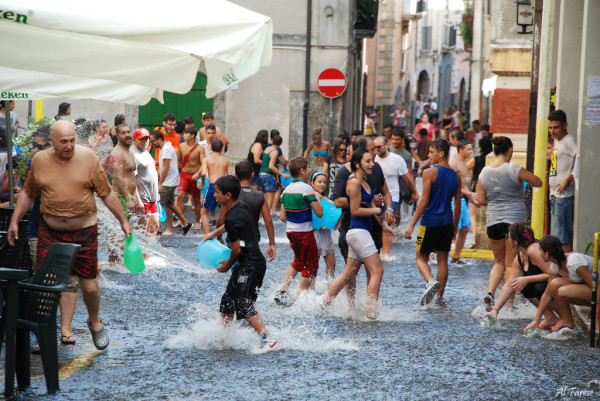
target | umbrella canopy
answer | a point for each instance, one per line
(128, 51)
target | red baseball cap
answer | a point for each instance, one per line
(141, 133)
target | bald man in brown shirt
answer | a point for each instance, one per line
(67, 176)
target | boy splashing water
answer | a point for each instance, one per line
(248, 263)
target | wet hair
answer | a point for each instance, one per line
(356, 132)
(336, 145)
(188, 120)
(119, 119)
(389, 126)
(190, 130)
(462, 144)
(441, 146)
(121, 126)
(486, 146)
(97, 123)
(398, 132)
(458, 134)
(211, 127)
(475, 122)
(553, 246)
(485, 127)
(522, 233)
(423, 132)
(179, 127)
(344, 137)
(558, 115)
(316, 174)
(228, 184)
(296, 164)
(158, 135)
(43, 131)
(358, 143)
(262, 137)
(169, 117)
(316, 136)
(356, 159)
(274, 133)
(276, 140)
(216, 145)
(243, 170)
(502, 145)
(63, 108)
(208, 115)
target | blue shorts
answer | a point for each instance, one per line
(563, 214)
(209, 202)
(255, 181)
(268, 183)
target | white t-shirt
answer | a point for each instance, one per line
(168, 152)
(562, 161)
(146, 176)
(574, 261)
(393, 166)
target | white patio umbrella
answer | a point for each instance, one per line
(126, 51)
(152, 44)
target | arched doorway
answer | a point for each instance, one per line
(423, 85)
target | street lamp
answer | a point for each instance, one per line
(524, 15)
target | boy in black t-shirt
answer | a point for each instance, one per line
(249, 264)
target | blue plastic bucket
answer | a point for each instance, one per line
(211, 252)
(286, 181)
(162, 215)
(331, 215)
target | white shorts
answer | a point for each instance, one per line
(360, 244)
(324, 240)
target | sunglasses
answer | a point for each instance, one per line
(342, 149)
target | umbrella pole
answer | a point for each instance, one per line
(9, 147)
(594, 292)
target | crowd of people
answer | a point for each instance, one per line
(371, 178)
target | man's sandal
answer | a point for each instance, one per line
(68, 340)
(100, 337)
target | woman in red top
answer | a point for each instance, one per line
(425, 124)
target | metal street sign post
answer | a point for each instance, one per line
(331, 84)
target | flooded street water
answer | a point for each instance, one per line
(167, 342)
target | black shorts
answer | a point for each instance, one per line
(242, 291)
(534, 290)
(498, 231)
(432, 239)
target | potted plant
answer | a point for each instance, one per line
(466, 28)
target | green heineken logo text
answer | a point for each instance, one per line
(14, 95)
(13, 16)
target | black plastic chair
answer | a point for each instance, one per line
(18, 256)
(39, 297)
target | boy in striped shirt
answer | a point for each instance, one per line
(298, 201)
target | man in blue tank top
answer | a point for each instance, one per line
(438, 226)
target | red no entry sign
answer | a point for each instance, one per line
(331, 83)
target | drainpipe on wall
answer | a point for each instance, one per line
(307, 75)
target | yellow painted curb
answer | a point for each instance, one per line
(78, 363)
(484, 254)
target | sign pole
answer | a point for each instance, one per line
(331, 137)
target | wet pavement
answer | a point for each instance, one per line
(167, 342)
